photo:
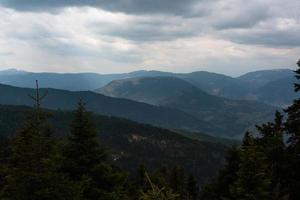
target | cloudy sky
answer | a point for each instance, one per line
(108, 36)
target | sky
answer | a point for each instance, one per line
(113, 36)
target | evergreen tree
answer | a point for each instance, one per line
(220, 188)
(192, 188)
(293, 128)
(175, 179)
(253, 180)
(142, 177)
(32, 171)
(85, 162)
(4, 159)
(271, 140)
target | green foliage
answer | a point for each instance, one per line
(31, 171)
(85, 163)
(132, 143)
(191, 188)
(221, 186)
(253, 180)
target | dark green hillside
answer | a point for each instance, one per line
(133, 143)
(100, 104)
(231, 117)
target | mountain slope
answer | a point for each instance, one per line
(133, 143)
(260, 78)
(279, 92)
(231, 116)
(217, 84)
(100, 104)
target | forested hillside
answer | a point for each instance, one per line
(131, 143)
(232, 117)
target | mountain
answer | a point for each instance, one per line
(279, 92)
(66, 81)
(100, 104)
(217, 84)
(260, 78)
(74, 82)
(232, 117)
(12, 71)
(132, 144)
(245, 87)
(212, 83)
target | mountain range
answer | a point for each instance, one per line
(250, 86)
(172, 117)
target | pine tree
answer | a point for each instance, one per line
(4, 159)
(192, 188)
(85, 162)
(32, 169)
(253, 181)
(141, 177)
(272, 141)
(293, 128)
(175, 180)
(220, 187)
(32, 173)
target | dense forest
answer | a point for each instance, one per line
(36, 164)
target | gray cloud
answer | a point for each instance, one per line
(147, 30)
(280, 39)
(274, 32)
(4, 54)
(240, 15)
(162, 33)
(176, 7)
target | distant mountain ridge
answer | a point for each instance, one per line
(260, 78)
(245, 87)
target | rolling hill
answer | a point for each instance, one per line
(232, 116)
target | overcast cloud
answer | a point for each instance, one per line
(225, 36)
